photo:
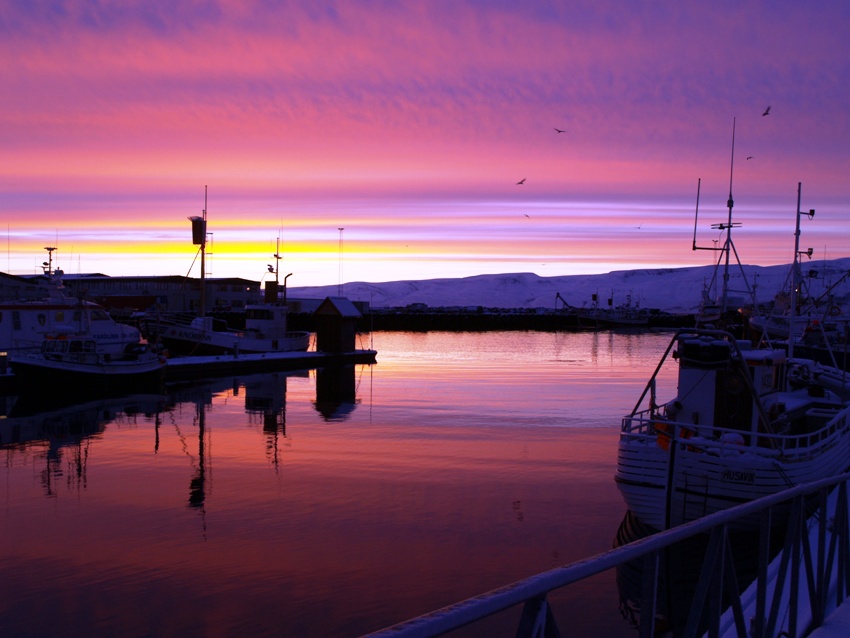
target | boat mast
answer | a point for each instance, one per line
(729, 203)
(728, 246)
(797, 275)
(199, 238)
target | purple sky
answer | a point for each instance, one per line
(408, 124)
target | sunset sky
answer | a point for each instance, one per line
(409, 124)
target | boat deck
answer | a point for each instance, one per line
(836, 624)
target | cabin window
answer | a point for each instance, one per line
(75, 346)
(88, 346)
(99, 315)
(259, 314)
(16, 319)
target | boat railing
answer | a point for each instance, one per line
(793, 591)
(825, 427)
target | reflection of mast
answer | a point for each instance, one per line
(197, 495)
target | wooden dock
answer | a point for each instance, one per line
(189, 368)
(196, 368)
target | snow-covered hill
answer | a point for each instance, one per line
(669, 289)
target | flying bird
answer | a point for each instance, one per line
(749, 157)
(527, 215)
(766, 112)
(559, 130)
(521, 182)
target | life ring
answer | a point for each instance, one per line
(834, 311)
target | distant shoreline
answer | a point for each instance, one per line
(489, 320)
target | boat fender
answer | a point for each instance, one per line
(732, 438)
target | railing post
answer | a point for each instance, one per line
(757, 628)
(649, 595)
(797, 523)
(537, 620)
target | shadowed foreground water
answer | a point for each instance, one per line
(328, 503)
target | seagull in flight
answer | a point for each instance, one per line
(527, 215)
(749, 157)
(559, 130)
(766, 112)
(521, 182)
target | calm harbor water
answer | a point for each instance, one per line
(330, 503)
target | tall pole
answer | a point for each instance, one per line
(729, 203)
(203, 259)
(797, 272)
(277, 262)
(339, 287)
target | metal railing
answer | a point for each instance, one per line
(793, 592)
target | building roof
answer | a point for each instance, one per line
(338, 306)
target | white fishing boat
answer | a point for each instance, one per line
(743, 422)
(265, 331)
(265, 328)
(25, 324)
(79, 365)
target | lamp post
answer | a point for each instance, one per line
(284, 287)
(339, 287)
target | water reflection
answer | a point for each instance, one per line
(464, 462)
(336, 395)
(57, 433)
(53, 431)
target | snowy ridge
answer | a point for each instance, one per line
(668, 289)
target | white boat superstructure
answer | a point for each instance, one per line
(265, 331)
(743, 423)
(25, 324)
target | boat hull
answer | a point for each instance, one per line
(692, 481)
(184, 340)
(38, 374)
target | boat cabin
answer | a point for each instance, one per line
(723, 383)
